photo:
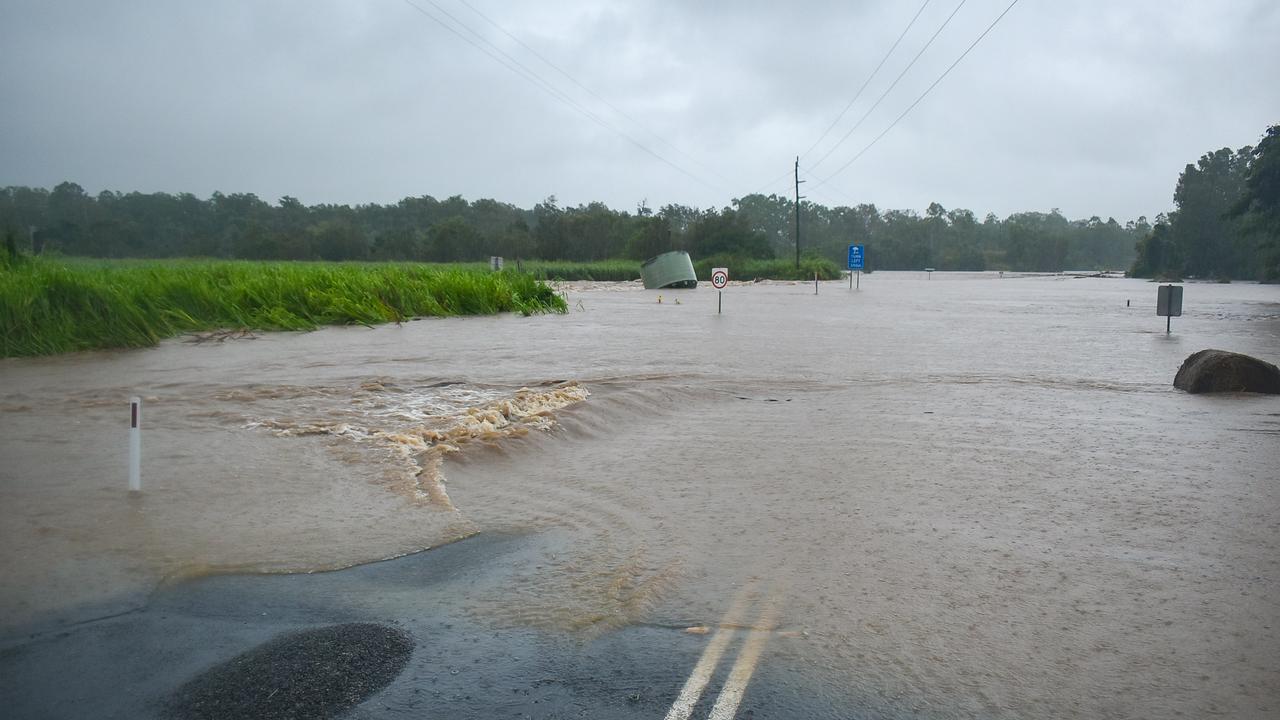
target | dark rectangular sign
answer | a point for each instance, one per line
(1169, 301)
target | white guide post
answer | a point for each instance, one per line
(135, 444)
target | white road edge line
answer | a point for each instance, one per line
(682, 708)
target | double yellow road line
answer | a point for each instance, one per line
(748, 657)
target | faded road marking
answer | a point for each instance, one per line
(736, 686)
(682, 708)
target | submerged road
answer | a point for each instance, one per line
(462, 665)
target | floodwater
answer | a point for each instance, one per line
(967, 496)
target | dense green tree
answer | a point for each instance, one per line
(403, 243)
(1157, 254)
(1204, 232)
(515, 241)
(453, 240)
(650, 236)
(1258, 207)
(339, 239)
(773, 216)
(595, 232)
(726, 233)
(423, 228)
(550, 239)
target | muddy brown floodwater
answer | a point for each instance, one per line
(973, 496)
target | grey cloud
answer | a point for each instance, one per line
(1092, 107)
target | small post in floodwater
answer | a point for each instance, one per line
(815, 282)
(135, 444)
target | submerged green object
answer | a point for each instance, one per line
(668, 270)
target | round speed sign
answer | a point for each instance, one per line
(719, 277)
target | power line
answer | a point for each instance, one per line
(823, 181)
(770, 184)
(589, 91)
(523, 71)
(856, 95)
(866, 82)
(894, 84)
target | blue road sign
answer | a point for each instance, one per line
(855, 257)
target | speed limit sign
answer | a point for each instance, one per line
(719, 277)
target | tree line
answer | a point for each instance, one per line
(111, 224)
(1226, 218)
(1226, 224)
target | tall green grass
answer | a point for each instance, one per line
(778, 269)
(52, 306)
(739, 269)
(606, 270)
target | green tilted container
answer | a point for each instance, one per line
(668, 270)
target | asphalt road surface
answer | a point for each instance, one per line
(137, 665)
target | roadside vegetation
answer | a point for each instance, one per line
(756, 269)
(755, 227)
(50, 305)
(1226, 221)
(1225, 224)
(740, 268)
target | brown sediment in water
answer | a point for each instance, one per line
(342, 475)
(989, 501)
(422, 446)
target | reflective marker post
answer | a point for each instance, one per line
(135, 444)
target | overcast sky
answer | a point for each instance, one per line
(1093, 107)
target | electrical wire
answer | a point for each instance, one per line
(769, 184)
(591, 92)
(842, 168)
(866, 82)
(892, 85)
(524, 72)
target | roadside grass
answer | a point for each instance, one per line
(603, 270)
(50, 306)
(776, 269)
(739, 269)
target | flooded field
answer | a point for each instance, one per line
(968, 495)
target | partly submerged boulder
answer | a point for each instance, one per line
(1210, 371)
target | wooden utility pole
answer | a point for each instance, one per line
(798, 198)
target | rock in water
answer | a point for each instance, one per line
(1210, 371)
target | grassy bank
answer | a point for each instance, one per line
(607, 270)
(739, 269)
(780, 269)
(50, 306)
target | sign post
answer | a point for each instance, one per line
(719, 278)
(1169, 304)
(135, 444)
(857, 258)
